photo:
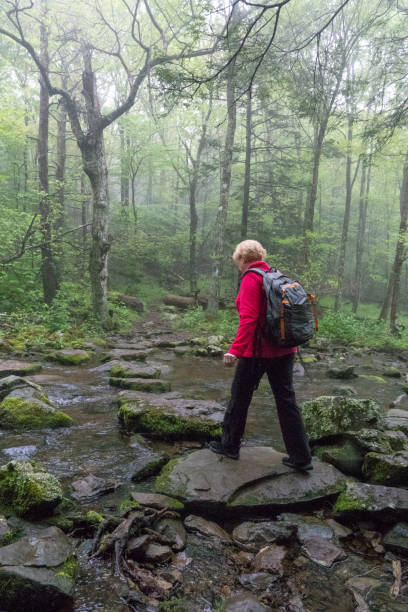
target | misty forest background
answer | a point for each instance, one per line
(140, 140)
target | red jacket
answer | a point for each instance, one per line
(251, 304)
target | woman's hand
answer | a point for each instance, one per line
(229, 359)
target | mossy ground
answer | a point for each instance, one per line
(17, 413)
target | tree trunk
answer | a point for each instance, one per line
(400, 250)
(48, 269)
(361, 230)
(124, 171)
(226, 167)
(247, 180)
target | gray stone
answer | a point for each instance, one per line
(136, 547)
(269, 559)
(128, 369)
(148, 462)
(243, 603)
(397, 538)
(361, 500)
(307, 526)
(392, 372)
(258, 581)
(20, 452)
(13, 382)
(263, 532)
(35, 589)
(18, 368)
(156, 500)
(342, 373)
(390, 470)
(397, 419)
(208, 528)
(339, 530)
(92, 486)
(153, 385)
(50, 549)
(258, 480)
(173, 529)
(157, 553)
(27, 408)
(127, 354)
(73, 356)
(322, 551)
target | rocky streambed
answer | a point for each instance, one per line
(110, 500)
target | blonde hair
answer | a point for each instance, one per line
(249, 250)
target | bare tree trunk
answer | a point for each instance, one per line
(124, 171)
(48, 269)
(361, 231)
(226, 167)
(400, 250)
(247, 180)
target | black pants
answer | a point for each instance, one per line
(248, 374)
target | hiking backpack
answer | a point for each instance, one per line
(291, 313)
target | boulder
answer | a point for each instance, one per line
(346, 457)
(396, 539)
(174, 530)
(397, 419)
(390, 470)
(262, 532)
(27, 408)
(132, 302)
(207, 528)
(342, 373)
(243, 602)
(147, 463)
(361, 500)
(157, 553)
(392, 372)
(259, 480)
(126, 354)
(123, 369)
(153, 385)
(73, 356)
(345, 390)
(37, 573)
(8, 383)
(307, 527)
(156, 500)
(92, 486)
(28, 489)
(170, 418)
(18, 368)
(334, 414)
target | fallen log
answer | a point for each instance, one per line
(182, 301)
(133, 302)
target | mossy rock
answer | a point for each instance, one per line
(404, 387)
(392, 372)
(153, 385)
(344, 390)
(28, 490)
(342, 373)
(73, 356)
(335, 414)
(390, 470)
(129, 370)
(347, 458)
(361, 500)
(35, 412)
(372, 377)
(18, 368)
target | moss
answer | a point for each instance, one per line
(17, 413)
(349, 501)
(163, 480)
(389, 470)
(9, 537)
(62, 522)
(68, 569)
(94, 517)
(140, 384)
(158, 423)
(392, 372)
(128, 504)
(74, 358)
(372, 377)
(175, 605)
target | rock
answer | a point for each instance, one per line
(92, 486)
(18, 368)
(157, 553)
(73, 356)
(263, 532)
(215, 340)
(243, 603)
(307, 526)
(347, 457)
(148, 463)
(182, 350)
(360, 500)
(339, 530)
(397, 539)
(343, 373)
(173, 529)
(155, 500)
(344, 390)
(269, 559)
(28, 489)
(27, 408)
(258, 480)
(170, 418)
(133, 302)
(8, 383)
(37, 572)
(397, 419)
(392, 372)
(259, 581)
(322, 551)
(141, 384)
(20, 452)
(390, 470)
(334, 414)
(123, 369)
(126, 354)
(214, 351)
(181, 561)
(207, 528)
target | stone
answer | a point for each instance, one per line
(28, 489)
(27, 408)
(168, 417)
(339, 530)
(307, 526)
(148, 462)
(174, 530)
(258, 581)
(132, 302)
(153, 385)
(269, 559)
(258, 480)
(20, 452)
(181, 561)
(156, 500)
(126, 354)
(343, 373)
(73, 356)
(361, 500)
(92, 486)
(136, 547)
(126, 369)
(50, 549)
(392, 372)
(243, 603)
(347, 457)
(157, 553)
(8, 383)
(334, 414)
(207, 528)
(18, 368)
(262, 532)
(396, 539)
(390, 470)
(397, 419)
(322, 551)
(344, 390)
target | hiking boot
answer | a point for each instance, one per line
(229, 451)
(303, 467)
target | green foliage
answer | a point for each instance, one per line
(224, 323)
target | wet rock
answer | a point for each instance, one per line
(379, 598)
(208, 528)
(148, 462)
(258, 480)
(20, 452)
(170, 418)
(334, 414)
(243, 603)
(307, 527)
(322, 551)
(347, 457)
(123, 369)
(92, 486)
(37, 572)
(343, 373)
(27, 408)
(264, 532)
(173, 529)
(18, 368)
(344, 390)
(243, 558)
(182, 350)
(397, 419)
(126, 354)
(73, 356)
(392, 372)
(152, 385)
(136, 547)
(28, 489)
(156, 500)
(390, 470)
(181, 560)
(258, 581)
(270, 558)
(397, 538)
(157, 553)
(359, 500)
(339, 530)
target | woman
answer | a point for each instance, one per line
(255, 356)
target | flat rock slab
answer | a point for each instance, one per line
(257, 480)
(397, 419)
(123, 369)
(322, 551)
(207, 528)
(35, 589)
(362, 500)
(18, 368)
(262, 532)
(397, 538)
(147, 463)
(156, 500)
(153, 385)
(50, 549)
(126, 354)
(92, 486)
